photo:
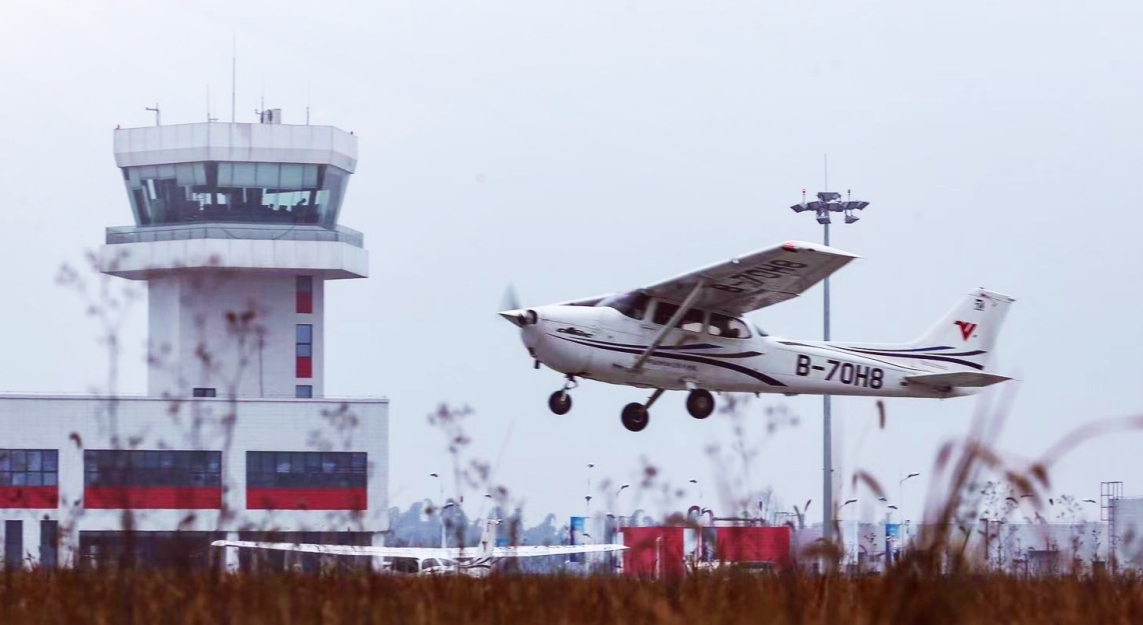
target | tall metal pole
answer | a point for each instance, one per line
(827, 434)
(827, 421)
(828, 202)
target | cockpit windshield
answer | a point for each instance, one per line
(632, 305)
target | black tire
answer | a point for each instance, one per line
(700, 403)
(560, 402)
(635, 417)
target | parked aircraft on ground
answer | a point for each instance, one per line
(688, 333)
(474, 561)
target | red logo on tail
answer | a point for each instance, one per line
(966, 328)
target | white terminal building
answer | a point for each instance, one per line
(236, 233)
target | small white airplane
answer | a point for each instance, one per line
(688, 333)
(474, 561)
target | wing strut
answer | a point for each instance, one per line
(684, 308)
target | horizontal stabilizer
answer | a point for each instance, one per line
(972, 379)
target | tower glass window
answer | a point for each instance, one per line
(305, 295)
(215, 191)
(304, 358)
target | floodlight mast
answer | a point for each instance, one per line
(828, 202)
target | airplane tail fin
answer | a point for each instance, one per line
(961, 341)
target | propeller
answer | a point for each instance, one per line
(510, 309)
(511, 300)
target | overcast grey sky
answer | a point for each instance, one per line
(576, 148)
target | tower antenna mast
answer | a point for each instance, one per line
(233, 73)
(158, 115)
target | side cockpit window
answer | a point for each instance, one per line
(663, 312)
(692, 321)
(728, 327)
(632, 305)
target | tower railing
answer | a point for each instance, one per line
(267, 232)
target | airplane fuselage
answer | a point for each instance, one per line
(600, 343)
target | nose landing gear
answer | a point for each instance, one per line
(560, 401)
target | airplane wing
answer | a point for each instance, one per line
(526, 551)
(756, 280)
(449, 553)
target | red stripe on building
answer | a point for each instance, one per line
(152, 498)
(305, 367)
(306, 499)
(29, 496)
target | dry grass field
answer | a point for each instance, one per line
(901, 597)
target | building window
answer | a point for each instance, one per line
(13, 544)
(305, 469)
(49, 543)
(29, 467)
(145, 468)
(303, 391)
(205, 392)
(305, 294)
(303, 365)
(188, 550)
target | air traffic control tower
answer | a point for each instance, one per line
(236, 231)
(235, 235)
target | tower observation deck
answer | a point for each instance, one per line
(236, 231)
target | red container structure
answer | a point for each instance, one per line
(653, 551)
(753, 545)
(661, 551)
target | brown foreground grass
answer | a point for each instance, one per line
(168, 597)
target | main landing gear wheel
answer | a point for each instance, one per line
(560, 402)
(635, 417)
(700, 403)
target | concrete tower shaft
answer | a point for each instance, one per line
(236, 231)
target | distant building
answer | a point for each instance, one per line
(236, 233)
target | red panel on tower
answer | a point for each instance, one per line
(305, 302)
(306, 499)
(29, 496)
(304, 367)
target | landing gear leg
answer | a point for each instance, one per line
(635, 415)
(560, 402)
(700, 403)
